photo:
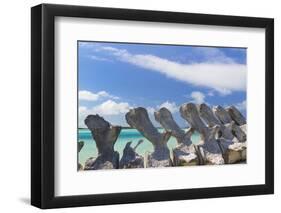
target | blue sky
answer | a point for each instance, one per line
(114, 77)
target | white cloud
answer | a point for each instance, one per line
(198, 97)
(90, 96)
(219, 73)
(83, 112)
(112, 110)
(108, 108)
(213, 55)
(97, 58)
(82, 109)
(242, 105)
(150, 110)
(171, 106)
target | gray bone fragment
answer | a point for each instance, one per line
(130, 158)
(105, 136)
(185, 152)
(208, 116)
(209, 150)
(80, 145)
(222, 114)
(233, 152)
(236, 115)
(165, 118)
(160, 157)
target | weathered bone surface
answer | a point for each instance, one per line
(190, 113)
(185, 153)
(130, 158)
(223, 140)
(232, 152)
(80, 145)
(244, 128)
(230, 133)
(225, 118)
(165, 118)
(236, 115)
(209, 150)
(240, 132)
(222, 114)
(208, 116)
(138, 119)
(105, 136)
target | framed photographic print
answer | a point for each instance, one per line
(139, 106)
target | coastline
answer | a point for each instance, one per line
(90, 149)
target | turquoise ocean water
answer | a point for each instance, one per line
(90, 149)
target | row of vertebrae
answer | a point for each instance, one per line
(222, 133)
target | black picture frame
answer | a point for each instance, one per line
(43, 102)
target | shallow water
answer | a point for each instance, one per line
(126, 135)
